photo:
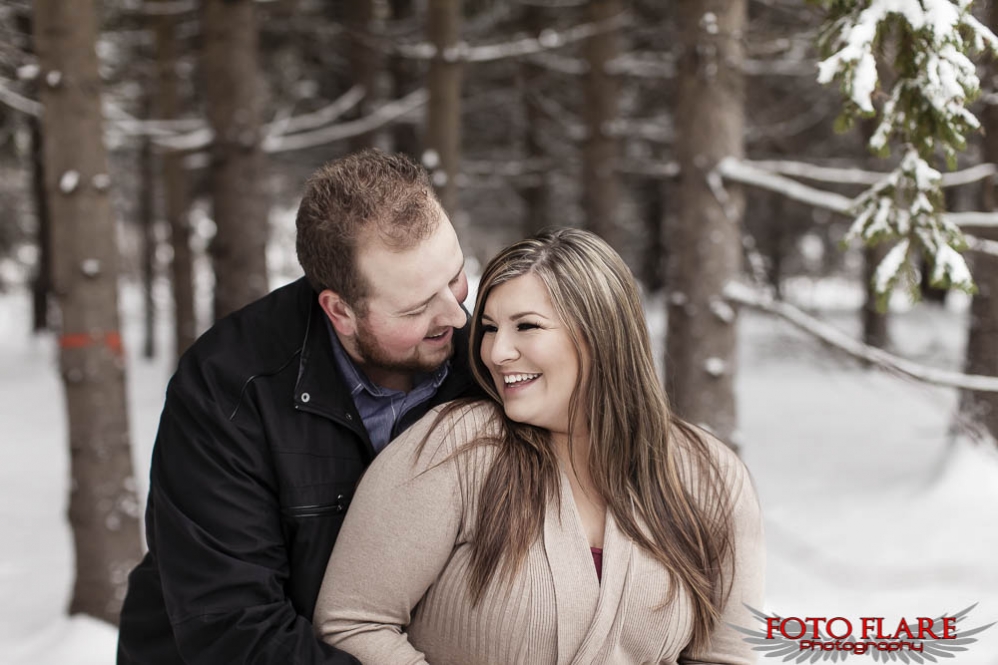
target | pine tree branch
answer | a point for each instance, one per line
(744, 295)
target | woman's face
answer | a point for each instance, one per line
(529, 353)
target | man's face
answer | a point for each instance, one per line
(413, 305)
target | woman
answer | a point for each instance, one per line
(572, 518)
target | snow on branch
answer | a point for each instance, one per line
(747, 173)
(279, 133)
(19, 102)
(547, 40)
(750, 174)
(170, 8)
(316, 119)
(852, 176)
(648, 168)
(120, 120)
(744, 295)
(925, 110)
(654, 65)
(380, 117)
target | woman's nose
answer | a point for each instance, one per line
(503, 348)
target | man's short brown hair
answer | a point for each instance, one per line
(369, 192)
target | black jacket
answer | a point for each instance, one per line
(258, 452)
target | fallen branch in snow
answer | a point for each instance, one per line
(743, 295)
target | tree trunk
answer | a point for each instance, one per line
(600, 187)
(232, 102)
(403, 74)
(103, 509)
(41, 282)
(651, 194)
(147, 220)
(875, 330)
(535, 194)
(705, 246)
(982, 337)
(366, 19)
(443, 132)
(175, 198)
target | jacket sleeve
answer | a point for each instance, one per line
(400, 531)
(746, 571)
(215, 529)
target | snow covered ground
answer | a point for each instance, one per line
(872, 508)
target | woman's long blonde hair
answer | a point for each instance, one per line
(649, 467)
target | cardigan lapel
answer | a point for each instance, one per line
(576, 588)
(618, 555)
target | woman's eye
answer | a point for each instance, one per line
(488, 328)
(527, 326)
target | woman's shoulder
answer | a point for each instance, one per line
(445, 431)
(701, 453)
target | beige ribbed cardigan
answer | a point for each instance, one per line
(396, 588)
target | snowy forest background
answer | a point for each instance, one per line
(152, 153)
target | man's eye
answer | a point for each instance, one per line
(419, 311)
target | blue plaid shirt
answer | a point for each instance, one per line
(386, 413)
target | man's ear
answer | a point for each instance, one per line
(341, 315)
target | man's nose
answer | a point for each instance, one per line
(453, 314)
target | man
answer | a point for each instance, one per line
(276, 411)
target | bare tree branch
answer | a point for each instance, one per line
(748, 173)
(378, 118)
(546, 41)
(852, 176)
(18, 102)
(316, 119)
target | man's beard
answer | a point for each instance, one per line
(373, 355)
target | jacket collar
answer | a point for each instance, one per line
(322, 389)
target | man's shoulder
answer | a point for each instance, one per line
(258, 339)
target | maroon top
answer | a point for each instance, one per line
(598, 560)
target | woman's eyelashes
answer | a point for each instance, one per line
(521, 326)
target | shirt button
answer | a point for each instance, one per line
(305, 397)
(350, 416)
